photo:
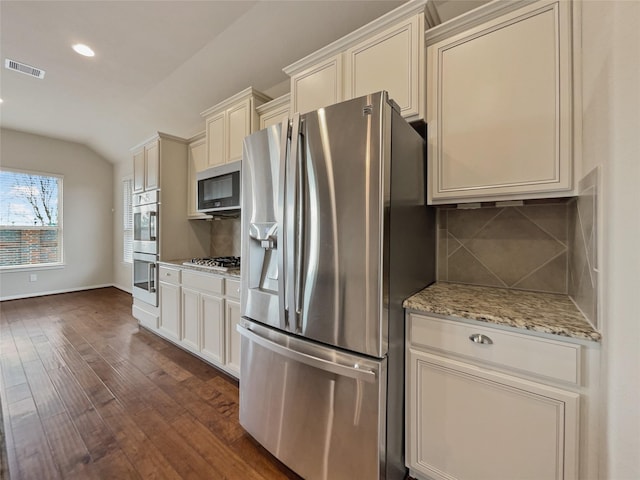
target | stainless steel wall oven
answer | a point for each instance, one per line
(145, 246)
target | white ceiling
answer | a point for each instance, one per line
(158, 64)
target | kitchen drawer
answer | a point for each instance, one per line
(233, 288)
(533, 355)
(169, 275)
(203, 281)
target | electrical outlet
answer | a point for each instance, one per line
(33, 277)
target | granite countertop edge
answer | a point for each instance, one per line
(233, 273)
(533, 311)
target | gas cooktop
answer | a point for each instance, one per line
(221, 264)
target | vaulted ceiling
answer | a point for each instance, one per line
(158, 64)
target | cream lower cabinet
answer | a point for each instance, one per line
(191, 318)
(499, 98)
(169, 292)
(232, 319)
(203, 314)
(467, 420)
(212, 321)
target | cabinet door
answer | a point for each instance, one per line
(317, 86)
(170, 310)
(471, 424)
(232, 319)
(197, 163)
(499, 108)
(191, 318)
(216, 139)
(212, 319)
(239, 124)
(394, 61)
(275, 116)
(138, 171)
(152, 166)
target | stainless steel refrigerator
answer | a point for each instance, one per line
(336, 234)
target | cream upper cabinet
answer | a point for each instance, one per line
(216, 139)
(138, 171)
(162, 162)
(393, 60)
(228, 122)
(317, 86)
(499, 105)
(197, 162)
(386, 54)
(239, 127)
(275, 111)
(146, 167)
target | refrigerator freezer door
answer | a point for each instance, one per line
(262, 233)
(318, 410)
(344, 157)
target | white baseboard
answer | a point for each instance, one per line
(55, 292)
(123, 288)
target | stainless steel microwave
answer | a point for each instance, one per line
(219, 188)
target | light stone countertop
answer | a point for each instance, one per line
(539, 312)
(231, 273)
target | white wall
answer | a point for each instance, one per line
(87, 217)
(121, 270)
(611, 138)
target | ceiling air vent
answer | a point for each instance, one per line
(23, 68)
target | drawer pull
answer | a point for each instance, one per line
(480, 338)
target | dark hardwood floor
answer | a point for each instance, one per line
(86, 394)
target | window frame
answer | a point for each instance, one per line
(59, 227)
(127, 217)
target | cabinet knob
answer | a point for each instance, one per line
(480, 338)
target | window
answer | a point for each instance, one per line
(30, 219)
(127, 216)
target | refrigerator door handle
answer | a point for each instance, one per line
(283, 276)
(299, 225)
(292, 213)
(355, 372)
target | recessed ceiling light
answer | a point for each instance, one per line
(1, 100)
(83, 50)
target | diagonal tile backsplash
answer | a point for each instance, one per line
(522, 247)
(583, 261)
(543, 245)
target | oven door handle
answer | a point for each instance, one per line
(153, 226)
(151, 282)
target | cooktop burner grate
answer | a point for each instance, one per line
(216, 263)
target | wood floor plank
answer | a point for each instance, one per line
(31, 449)
(225, 462)
(68, 448)
(208, 414)
(141, 451)
(86, 394)
(183, 459)
(44, 393)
